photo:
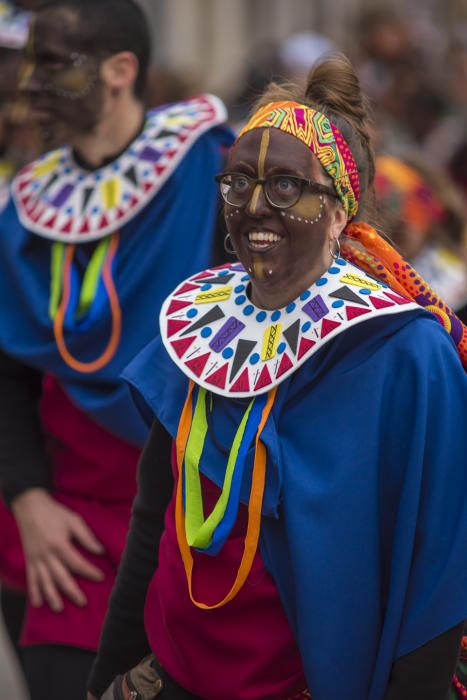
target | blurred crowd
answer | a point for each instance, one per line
(415, 76)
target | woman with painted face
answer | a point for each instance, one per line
(92, 227)
(310, 424)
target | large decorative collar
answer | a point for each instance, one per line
(218, 338)
(57, 199)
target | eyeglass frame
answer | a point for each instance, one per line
(319, 188)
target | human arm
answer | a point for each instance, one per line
(426, 673)
(23, 463)
(123, 640)
(46, 527)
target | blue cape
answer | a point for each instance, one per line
(172, 237)
(364, 520)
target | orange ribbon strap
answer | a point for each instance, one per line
(110, 350)
(254, 505)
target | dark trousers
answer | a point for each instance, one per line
(52, 672)
(13, 606)
(57, 673)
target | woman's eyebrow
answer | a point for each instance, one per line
(281, 170)
(274, 170)
(240, 164)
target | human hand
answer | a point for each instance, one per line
(47, 532)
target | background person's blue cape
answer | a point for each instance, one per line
(364, 520)
(170, 239)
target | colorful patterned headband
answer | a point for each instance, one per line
(322, 138)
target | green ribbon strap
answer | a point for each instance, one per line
(199, 531)
(56, 274)
(91, 277)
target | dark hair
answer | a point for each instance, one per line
(333, 88)
(112, 26)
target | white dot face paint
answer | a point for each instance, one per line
(297, 253)
(311, 206)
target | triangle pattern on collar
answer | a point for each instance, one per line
(57, 199)
(224, 343)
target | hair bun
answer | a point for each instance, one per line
(333, 86)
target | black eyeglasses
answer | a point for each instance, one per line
(281, 191)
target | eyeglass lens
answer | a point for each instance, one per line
(282, 191)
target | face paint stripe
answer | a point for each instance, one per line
(254, 199)
(258, 268)
(29, 65)
(263, 150)
(25, 75)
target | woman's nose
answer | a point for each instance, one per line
(28, 81)
(258, 204)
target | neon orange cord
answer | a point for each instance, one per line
(110, 350)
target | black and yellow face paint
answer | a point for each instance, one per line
(263, 151)
(259, 271)
(76, 80)
(309, 207)
(61, 81)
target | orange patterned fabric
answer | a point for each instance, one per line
(377, 257)
(405, 195)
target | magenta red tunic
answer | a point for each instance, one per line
(222, 653)
(94, 474)
(242, 651)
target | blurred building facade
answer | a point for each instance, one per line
(212, 42)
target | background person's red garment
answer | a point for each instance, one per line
(94, 474)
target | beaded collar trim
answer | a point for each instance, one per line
(57, 199)
(218, 338)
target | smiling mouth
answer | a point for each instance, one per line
(263, 240)
(40, 110)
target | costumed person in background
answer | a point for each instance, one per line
(18, 138)
(93, 231)
(314, 415)
(14, 25)
(425, 218)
